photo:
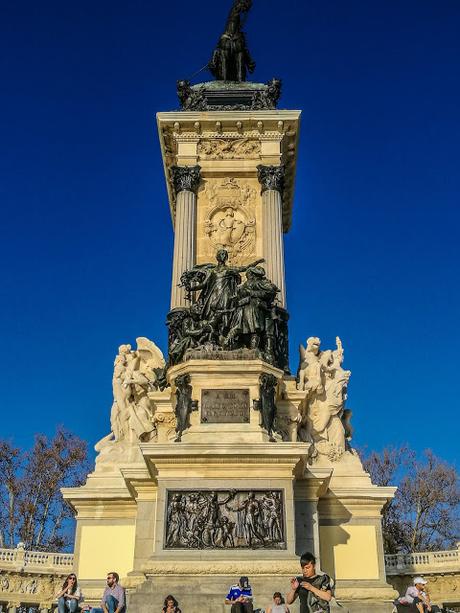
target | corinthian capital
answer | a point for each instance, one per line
(186, 178)
(271, 177)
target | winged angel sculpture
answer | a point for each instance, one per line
(323, 418)
(135, 373)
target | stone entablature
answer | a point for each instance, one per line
(31, 578)
(230, 143)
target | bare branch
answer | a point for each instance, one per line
(425, 513)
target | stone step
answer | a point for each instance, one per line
(203, 594)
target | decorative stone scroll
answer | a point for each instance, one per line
(186, 178)
(225, 519)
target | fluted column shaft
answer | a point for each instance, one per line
(185, 181)
(273, 241)
(272, 181)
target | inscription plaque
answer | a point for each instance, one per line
(225, 406)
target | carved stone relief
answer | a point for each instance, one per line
(225, 519)
(242, 148)
(230, 219)
(19, 587)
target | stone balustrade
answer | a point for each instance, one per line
(427, 561)
(18, 559)
(30, 579)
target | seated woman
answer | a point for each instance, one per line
(69, 596)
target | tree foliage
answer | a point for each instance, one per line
(32, 509)
(425, 513)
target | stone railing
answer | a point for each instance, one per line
(423, 562)
(30, 579)
(18, 559)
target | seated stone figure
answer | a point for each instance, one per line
(187, 331)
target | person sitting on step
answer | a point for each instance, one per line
(240, 597)
(69, 596)
(113, 598)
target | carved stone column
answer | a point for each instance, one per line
(271, 179)
(186, 180)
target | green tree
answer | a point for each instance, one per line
(32, 508)
(425, 513)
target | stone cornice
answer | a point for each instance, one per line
(204, 367)
(195, 567)
(218, 460)
(377, 493)
(233, 452)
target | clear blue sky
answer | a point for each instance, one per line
(86, 238)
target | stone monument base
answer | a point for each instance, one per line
(189, 518)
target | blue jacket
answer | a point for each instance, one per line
(236, 591)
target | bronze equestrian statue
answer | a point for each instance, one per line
(231, 59)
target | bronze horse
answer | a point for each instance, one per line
(231, 59)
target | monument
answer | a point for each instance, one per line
(220, 462)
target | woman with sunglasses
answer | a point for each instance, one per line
(69, 596)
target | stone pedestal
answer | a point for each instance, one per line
(330, 508)
(233, 384)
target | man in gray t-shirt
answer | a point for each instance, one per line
(314, 591)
